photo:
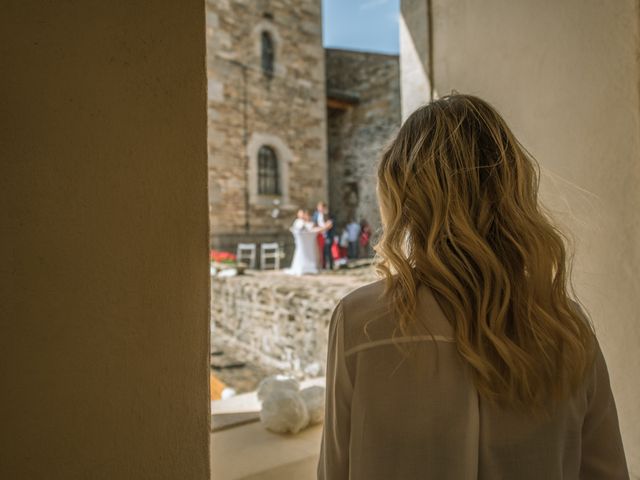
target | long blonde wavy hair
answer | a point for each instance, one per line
(459, 202)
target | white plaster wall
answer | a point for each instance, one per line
(104, 240)
(414, 61)
(565, 75)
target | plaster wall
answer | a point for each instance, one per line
(414, 61)
(104, 272)
(565, 76)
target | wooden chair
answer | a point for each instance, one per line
(247, 251)
(269, 256)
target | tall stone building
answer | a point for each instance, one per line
(363, 108)
(267, 112)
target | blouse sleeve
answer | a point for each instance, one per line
(334, 452)
(602, 450)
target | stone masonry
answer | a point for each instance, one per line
(278, 321)
(363, 115)
(249, 107)
(326, 115)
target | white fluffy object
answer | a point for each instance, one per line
(228, 393)
(313, 398)
(276, 383)
(284, 410)
(287, 409)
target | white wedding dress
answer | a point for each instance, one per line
(305, 256)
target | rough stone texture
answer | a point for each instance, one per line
(279, 321)
(246, 109)
(365, 116)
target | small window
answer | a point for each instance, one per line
(268, 176)
(268, 54)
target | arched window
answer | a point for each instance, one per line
(268, 176)
(268, 54)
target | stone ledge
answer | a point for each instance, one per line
(248, 451)
(277, 320)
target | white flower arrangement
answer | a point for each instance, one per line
(286, 408)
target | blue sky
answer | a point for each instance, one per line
(370, 25)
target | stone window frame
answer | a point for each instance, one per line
(285, 158)
(267, 26)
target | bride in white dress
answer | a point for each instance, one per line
(305, 257)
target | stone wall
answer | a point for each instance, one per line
(280, 321)
(363, 92)
(248, 108)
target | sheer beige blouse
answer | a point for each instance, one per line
(392, 417)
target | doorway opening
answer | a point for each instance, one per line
(294, 132)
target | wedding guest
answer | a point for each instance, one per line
(318, 221)
(344, 243)
(470, 359)
(353, 235)
(365, 238)
(318, 214)
(339, 250)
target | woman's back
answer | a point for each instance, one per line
(501, 377)
(414, 413)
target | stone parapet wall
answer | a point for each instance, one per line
(277, 320)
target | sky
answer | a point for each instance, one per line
(369, 25)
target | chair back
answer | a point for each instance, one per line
(247, 252)
(269, 256)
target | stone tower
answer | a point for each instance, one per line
(267, 117)
(363, 105)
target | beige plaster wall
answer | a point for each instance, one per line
(414, 61)
(104, 286)
(565, 75)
